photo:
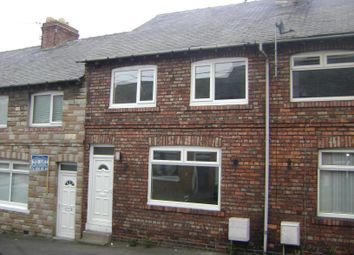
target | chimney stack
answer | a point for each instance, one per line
(55, 32)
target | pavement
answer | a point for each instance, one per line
(28, 245)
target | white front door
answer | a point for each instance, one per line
(99, 216)
(66, 204)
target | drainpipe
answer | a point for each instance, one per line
(266, 144)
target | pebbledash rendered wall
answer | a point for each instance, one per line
(298, 132)
(62, 144)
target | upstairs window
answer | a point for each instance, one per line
(4, 101)
(133, 87)
(47, 109)
(187, 177)
(322, 76)
(220, 82)
(336, 183)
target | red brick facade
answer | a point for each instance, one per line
(298, 131)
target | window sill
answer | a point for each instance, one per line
(14, 208)
(340, 222)
(185, 210)
(135, 109)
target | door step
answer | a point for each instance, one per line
(95, 237)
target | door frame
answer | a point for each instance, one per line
(59, 200)
(89, 225)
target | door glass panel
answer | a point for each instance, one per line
(68, 167)
(103, 167)
(103, 150)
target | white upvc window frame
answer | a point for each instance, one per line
(330, 167)
(211, 100)
(8, 205)
(184, 162)
(5, 98)
(323, 65)
(51, 123)
(138, 103)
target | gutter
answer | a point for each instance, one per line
(266, 145)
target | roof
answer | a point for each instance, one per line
(230, 25)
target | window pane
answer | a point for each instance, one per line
(202, 82)
(3, 110)
(4, 165)
(306, 61)
(338, 59)
(147, 85)
(21, 166)
(167, 155)
(338, 158)
(103, 150)
(57, 108)
(201, 156)
(19, 189)
(230, 80)
(41, 111)
(323, 83)
(68, 167)
(337, 192)
(4, 186)
(185, 184)
(125, 86)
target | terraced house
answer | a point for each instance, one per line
(201, 127)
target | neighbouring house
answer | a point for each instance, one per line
(42, 112)
(194, 129)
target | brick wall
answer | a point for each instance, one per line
(298, 131)
(63, 144)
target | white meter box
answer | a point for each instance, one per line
(290, 233)
(239, 229)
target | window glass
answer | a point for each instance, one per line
(201, 156)
(185, 178)
(337, 59)
(323, 83)
(57, 108)
(230, 80)
(4, 165)
(167, 155)
(3, 110)
(133, 87)
(14, 183)
(125, 87)
(147, 85)
(41, 111)
(185, 184)
(336, 192)
(202, 82)
(336, 184)
(4, 186)
(19, 188)
(306, 61)
(338, 158)
(103, 150)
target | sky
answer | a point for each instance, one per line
(21, 20)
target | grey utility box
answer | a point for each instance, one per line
(290, 233)
(239, 229)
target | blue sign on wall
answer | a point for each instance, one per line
(39, 163)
